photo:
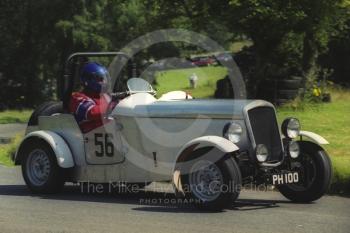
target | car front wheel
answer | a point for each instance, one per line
(213, 185)
(40, 170)
(315, 171)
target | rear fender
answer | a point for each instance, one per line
(59, 146)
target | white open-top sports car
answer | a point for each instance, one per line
(208, 149)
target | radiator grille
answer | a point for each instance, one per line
(265, 131)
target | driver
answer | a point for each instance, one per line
(91, 105)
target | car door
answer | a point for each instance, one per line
(103, 145)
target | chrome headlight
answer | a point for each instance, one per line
(291, 127)
(261, 153)
(233, 132)
(293, 149)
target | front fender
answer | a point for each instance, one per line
(314, 137)
(59, 146)
(220, 143)
(211, 141)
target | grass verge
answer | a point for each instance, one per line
(15, 116)
(7, 150)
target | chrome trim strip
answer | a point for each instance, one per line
(272, 164)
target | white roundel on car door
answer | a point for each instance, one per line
(104, 147)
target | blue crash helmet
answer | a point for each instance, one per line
(95, 77)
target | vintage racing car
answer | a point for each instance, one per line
(208, 149)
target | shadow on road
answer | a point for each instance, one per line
(148, 201)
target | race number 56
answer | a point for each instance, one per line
(104, 145)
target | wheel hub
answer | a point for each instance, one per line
(307, 170)
(38, 167)
(205, 180)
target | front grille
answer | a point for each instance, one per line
(264, 130)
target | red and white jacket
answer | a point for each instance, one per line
(90, 109)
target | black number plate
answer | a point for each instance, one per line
(285, 178)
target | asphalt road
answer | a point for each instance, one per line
(72, 211)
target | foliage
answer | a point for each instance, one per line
(338, 55)
(48, 31)
(288, 36)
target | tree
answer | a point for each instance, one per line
(46, 32)
(338, 54)
(288, 35)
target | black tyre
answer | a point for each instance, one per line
(288, 94)
(40, 170)
(212, 185)
(291, 83)
(315, 174)
(280, 102)
(46, 109)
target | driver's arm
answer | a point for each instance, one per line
(95, 113)
(98, 111)
(85, 109)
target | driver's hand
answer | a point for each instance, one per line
(111, 107)
(119, 95)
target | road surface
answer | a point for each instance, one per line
(72, 211)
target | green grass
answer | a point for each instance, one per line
(178, 80)
(15, 116)
(7, 117)
(7, 150)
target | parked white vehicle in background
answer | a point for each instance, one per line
(207, 148)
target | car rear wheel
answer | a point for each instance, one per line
(212, 185)
(40, 170)
(315, 171)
